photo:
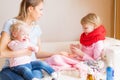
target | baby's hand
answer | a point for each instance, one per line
(35, 49)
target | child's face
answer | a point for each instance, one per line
(87, 28)
(22, 35)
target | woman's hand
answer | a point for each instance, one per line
(70, 55)
(28, 52)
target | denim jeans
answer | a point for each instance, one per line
(41, 65)
(34, 69)
(8, 74)
(26, 71)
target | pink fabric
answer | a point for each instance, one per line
(94, 51)
(17, 45)
(60, 62)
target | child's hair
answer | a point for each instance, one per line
(16, 27)
(91, 18)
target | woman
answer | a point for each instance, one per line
(30, 12)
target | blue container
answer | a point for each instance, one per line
(110, 73)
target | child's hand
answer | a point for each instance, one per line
(77, 51)
(75, 45)
(72, 55)
(64, 53)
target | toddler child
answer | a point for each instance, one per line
(91, 45)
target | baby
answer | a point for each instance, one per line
(20, 40)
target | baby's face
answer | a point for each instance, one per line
(23, 35)
(87, 28)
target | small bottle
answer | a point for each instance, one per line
(90, 77)
(109, 73)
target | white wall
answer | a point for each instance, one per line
(8, 9)
(61, 19)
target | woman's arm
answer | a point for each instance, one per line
(6, 52)
(42, 54)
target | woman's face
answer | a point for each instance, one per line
(36, 12)
(87, 28)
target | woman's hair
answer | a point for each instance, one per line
(91, 18)
(25, 4)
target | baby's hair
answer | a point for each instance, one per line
(16, 27)
(91, 18)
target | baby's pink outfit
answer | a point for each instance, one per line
(17, 45)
